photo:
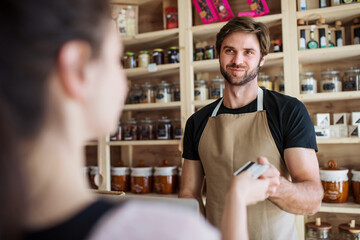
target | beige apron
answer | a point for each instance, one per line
(228, 142)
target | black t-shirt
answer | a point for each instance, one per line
(76, 228)
(288, 120)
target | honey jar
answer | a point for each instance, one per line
(141, 179)
(120, 179)
(349, 231)
(94, 171)
(264, 81)
(165, 179)
(355, 182)
(318, 230)
(335, 183)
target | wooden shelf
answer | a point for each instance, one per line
(349, 207)
(319, 97)
(338, 141)
(162, 70)
(345, 12)
(204, 32)
(273, 59)
(151, 106)
(151, 195)
(91, 143)
(321, 55)
(145, 142)
(137, 2)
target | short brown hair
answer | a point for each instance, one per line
(245, 24)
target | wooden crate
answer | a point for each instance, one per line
(307, 29)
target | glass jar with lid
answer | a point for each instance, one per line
(355, 182)
(129, 60)
(209, 52)
(279, 83)
(141, 179)
(158, 56)
(201, 90)
(147, 93)
(349, 231)
(134, 94)
(147, 129)
(308, 84)
(177, 132)
(164, 129)
(143, 58)
(130, 130)
(173, 55)
(217, 88)
(330, 81)
(318, 230)
(120, 179)
(175, 91)
(264, 81)
(352, 79)
(163, 92)
(165, 179)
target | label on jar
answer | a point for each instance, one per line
(350, 86)
(178, 133)
(328, 86)
(216, 93)
(307, 87)
(177, 96)
(163, 133)
(201, 93)
(128, 134)
(163, 98)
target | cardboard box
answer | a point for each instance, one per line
(355, 118)
(316, 29)
(354, 131)
(127, 17)
(322, 131)
(341, 118)
(338, 131)
(322, 119)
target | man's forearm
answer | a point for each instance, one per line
(303, 198)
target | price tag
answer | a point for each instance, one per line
(152, 67)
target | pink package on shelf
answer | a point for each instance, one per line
(206, 10)
(259, 7)
(223, 9)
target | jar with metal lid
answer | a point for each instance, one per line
(217, 88)
(176, 91)
(177, 132)
(349, 231)
(141, 179)
(279, 83)
(147, 93)
(199, 54)
(120, 179)
(352, 79)
(318, 230)
(94, 173)
(147, 129)
(355, 182)
(264, 81)
(173, 55)
(335, 183)
(129, 60)
(330, 81)
(130, 130)
(134, 94)
(164, 129)
(158, 56)
(117, 136)
(308, 83)
(163, 92)
(165, 179)
(201, 90)
(143, 58)
(209, 52)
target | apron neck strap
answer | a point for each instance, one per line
(260, 106)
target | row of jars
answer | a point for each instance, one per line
(208, 52)
(335, 182)
(163, 179)
(157, 56)
(323, 230)
(277, 84)
(163, 92)
(201, 89)
(148, 129)
(330, 81)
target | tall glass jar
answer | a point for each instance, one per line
(134, 94)
(147, 93)
(158, 56)
(175, 91)
(147, 129)
(279, 83)
(330, 81)
(217, 88)
(264, 81)
(352, 80)
(129, 60)
(308, 84)
(201, 90)
(318, 230)
(143, 58)
(163, 92)
(130, 130)
(164, 129)
(177, 132)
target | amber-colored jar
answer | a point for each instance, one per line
(165, 179)
(147, 93)
(129, 60)
(164, 129)
(141, 179)
(318, 230)
(335, 183)
(120, 179)
(147, 129)
(177, 132)
(175, 89)
(130, 130)
(355, 182)
(264, 81)
(94, 171)
(349, 231)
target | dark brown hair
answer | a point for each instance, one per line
(32, 32)
(245, 24)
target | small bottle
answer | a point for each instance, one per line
(331, 44)
(322, 38)
(322, 3)
(338, 36)
(302, 40)
(302, 4)
(312, 44)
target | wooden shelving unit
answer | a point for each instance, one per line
(350, 52)
(151, 106)
(319, 97)
(350, 207)
(338, 140)
(144, 143)
(161, 70)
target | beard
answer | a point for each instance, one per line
(248, 75)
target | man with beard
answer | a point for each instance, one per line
(248, 124)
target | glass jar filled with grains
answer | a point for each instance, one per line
(130, 130)
(264, 81)
(217, 88)
(308, 84)
(164, 129)
(279, 83)
(147, 93)
(134, 94)
(330, 81)
(351, 80)
(147, 129)
(163, 92)
(201, 91)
